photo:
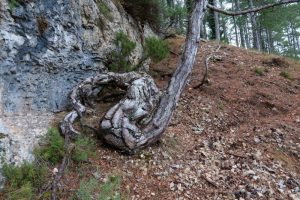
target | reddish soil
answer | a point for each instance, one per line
(237, 137)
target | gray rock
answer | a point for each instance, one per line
(47, 47)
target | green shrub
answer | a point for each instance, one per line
(13, 4)
(286, 75)
(17, 176)
(53, 150)
(86, 189)
(24, 193)
(120, 57)
(260, 71)
(23, 181)
(84, 148)
(156, 49)
(104, 9)
(110, 189)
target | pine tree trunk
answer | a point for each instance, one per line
(217, 22)
(203, 31)
(270, 41)
(247, 39)
(235, 26)
(240, 25)
(211, 22)
(255, 33)
(224, 28)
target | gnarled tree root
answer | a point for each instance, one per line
(123, 124)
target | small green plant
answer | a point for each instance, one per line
(104, 9)
(84, 148)
(286, 75)
(120, 57)
(24, 180)
(156, 49)
(24, 193)
(17, 176)
(53, 150)
(110, 189)
(13, 4)
(260, 71)
(86, 189)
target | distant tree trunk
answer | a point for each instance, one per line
(247, 39)
(298, 44)
(255, 32)
(217, 22)
(240, 25)
(211, 22)
(203, 33)
(236, 32)
(294, 39)
(270, 40)
(235, 25)
(223, 33)
(263, 39)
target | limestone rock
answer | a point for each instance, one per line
(47, 47)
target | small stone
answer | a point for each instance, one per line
(281, 184)
(187, 170)
(54, 171)
(172, 186)
(256, 140)
(179, 187)
(257, 155)
(249, 172)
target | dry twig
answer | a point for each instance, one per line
(206, 62)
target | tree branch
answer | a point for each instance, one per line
(242, 12)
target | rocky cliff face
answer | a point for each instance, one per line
(47, 47)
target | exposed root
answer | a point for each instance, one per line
(206, 62)
(122, 125)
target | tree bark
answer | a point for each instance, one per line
(255, 33)
(240, 25)
(203, 33)
(217, 22)
(247, 40)
(235, 25)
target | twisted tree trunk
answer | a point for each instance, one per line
(140, 118)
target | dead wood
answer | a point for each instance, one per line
(206, 63)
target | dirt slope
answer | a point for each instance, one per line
(236, 138)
